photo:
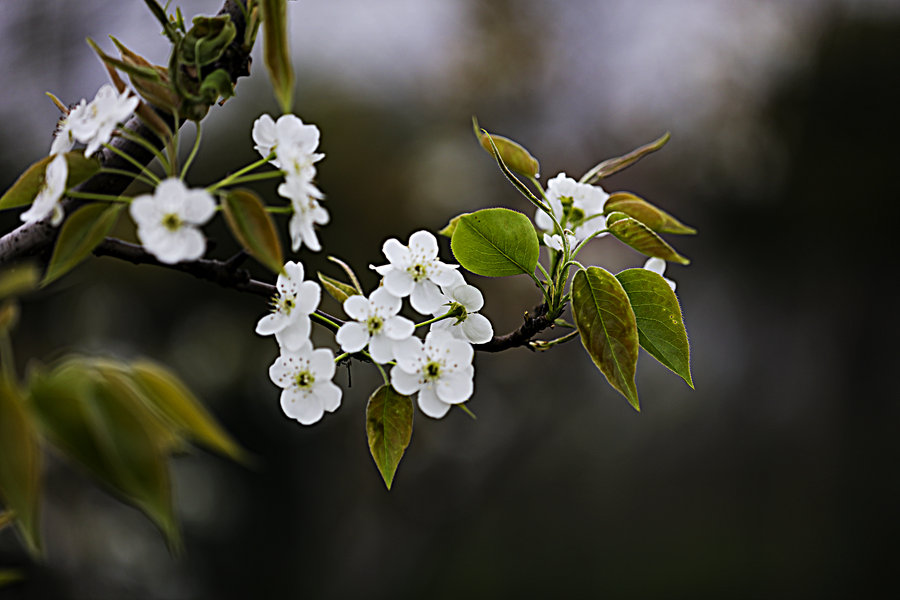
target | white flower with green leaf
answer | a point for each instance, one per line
(415, 271)
(293, 141)
(576, 206)
(376, 323)
(48, 197)
(294, 301)
(439, 369)
(658, 266)
(94, 124)
(464, 301)
(305, 378)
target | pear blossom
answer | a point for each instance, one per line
(291, 307)
(415, 271)
(577, 206)
(94, 124)
(293, 141)
(167, 221)
(466, 324)
(63, 139)
(439, 369)
(556, 243)
(304, 197)
(305, 378)
(50, 193)
(658, 266)
(376, 323)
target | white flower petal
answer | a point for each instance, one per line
(442, 274)
(399, 283)
(309, 295)
(657, 265)
(353, 337)
(396, 253)
(329, 395)
(431, 405)
(199, 207)
(143, 210)
(425, 297)
(294, 334)
(423, 244)
(384, 303)
(409, 354)
(403, 382)
(304, 407)
(454, 387)
(272, 323)
(358, 307)
(469, 296)
(381, 348)
(398, 328)
(477, 328)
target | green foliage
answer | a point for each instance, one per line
(496, 242)
(29, 183)
(80, 234)
(608, 329)
(389, 423)
(448, 229)
(641, 210)
(640, 237)
(276, 51)
(614, 165)
(18, 279)
(659, 322)
(338, 290)
(252, 226)
(20, 464)
(8, 576)
(207, 40)
(513, 154)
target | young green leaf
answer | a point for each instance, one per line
(168, 395)
(641, 210)
(276, 51)
(20, 464)
(606, 323)
(514, 155)
(641, 238)
(660, 325)
(18, 279)
(496, 242)
(338, 290)
(252, 226)
(351, 275)
(80, 234)
(207, 39)
(111, 434)
(614, 165)
(389, 423)
(29, 183)
(448, 229)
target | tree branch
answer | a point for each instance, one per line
(531, 326)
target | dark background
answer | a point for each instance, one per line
(776, 478)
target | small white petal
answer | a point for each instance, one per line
(657, 265)
(303, 407)
(398, 328)
(477, 328)
(381, 348)
(403, 382)
(309, 295)
(353, 337)
(294, 334)
(399, 283)
(425, 297)
(329, 395)
(272, 323)
(454, 387)
(423, 243)
(469, 296)
(384, 303)
(396, 253)
(357, 307)
(430, 404)
(409, 354)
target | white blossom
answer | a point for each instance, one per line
(376, 323)
(415, 271)
(466, 300)
(50, 193)
(304, 377)
(440, 370)
(63, 140)
(167, 221)
(658, 266)
(556, 243)
(577, 206)
(291, 307)
(304, 197)
(94, 124)
(293, 141)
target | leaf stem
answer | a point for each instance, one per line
(99, 197)
(138, 176)
(193, 153)
(130, 159)
(141, 141)
(230, 178)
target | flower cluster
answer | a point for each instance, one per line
(578, 207)
(92, 123)
(294, 144)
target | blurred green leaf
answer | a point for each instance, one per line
(8, 576)
(252, 226)
(496, 242)
(614, 165)
(660, 324)
(18, 279)
(276, 51)
(29, 183)
(20, 464)
(110, 433)
(608, 328)
(641, 210)
(80, 234)
(389, 424)
(640, 237)
(514, 155)
(6, 518)
(354, 280)
(168, 395)
(336, 289)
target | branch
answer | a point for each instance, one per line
(521, 336)
(32, 239)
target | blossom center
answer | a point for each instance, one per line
(304, 379)
(285, 303)
(172, 222)
(374, 324)
(432, 371)
(418, 272)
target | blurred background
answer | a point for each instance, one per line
(776, 478)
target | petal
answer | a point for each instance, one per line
(295, 334)
(431, 405)
(442, 273)
(308, 297)
(454, 387)
(543, 221)
(272, 323)
(303, 407)
(459, 353)
(403, 382)
(282, 370)
(396, 253)
(143, 210)
(358, 308)
(321, 363)
(293, 271)
(423, 243)
(477, 328)
(425, 297)
(352, 337)
(384, 303)
(199, 207)
(657, 265)
(469, 296)
(192, 243)
(398, 328)
(409, 354)
(399, 283)
(381, 348)
(329, 394)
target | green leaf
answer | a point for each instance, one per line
(8, 576)
(207, 39)
(110, 433)
(252, 226)
(448, 230)
(338, 290)
(660, 325)
(80, 234)
(496, 242)
(20, 464)
(514, 155)
(389, 423)
(608, 329)
(170, 397)
(215, 85)
(276, 51)
(351, 275)
(641, 238)
(6, 518)
(641, 210)
(29, 183)
(18, 279)
(614, 165)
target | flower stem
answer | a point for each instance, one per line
(280, 210)
(142, 141)
(100, 197)
(256, 177)
(138, 176)
(446, 315)
(7, 360)
(193, 153)
(237, 174)
(143, 169)
(547, 344)
(328, 321)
